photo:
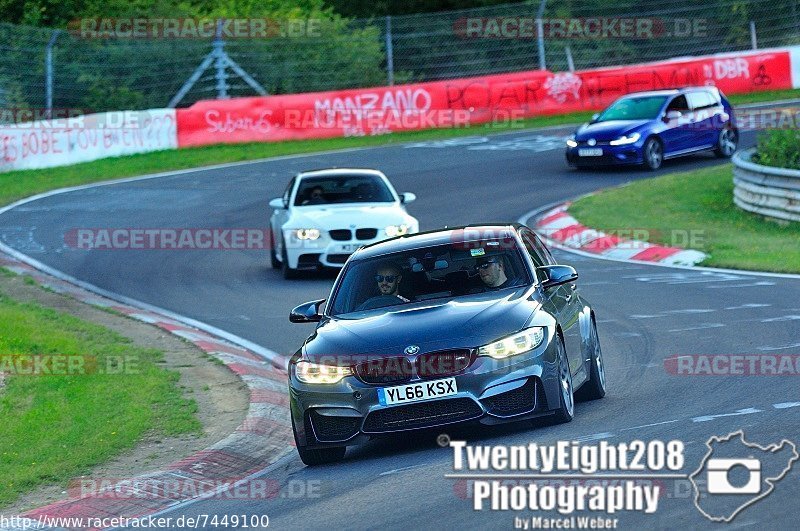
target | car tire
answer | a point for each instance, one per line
(566, 398)
(318, 456)
(595, 387)
(273, 255)
(288, 272)
(653, 153)
(726, 143)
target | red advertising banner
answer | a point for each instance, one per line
(468, 101)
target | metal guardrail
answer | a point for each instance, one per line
(766, 190)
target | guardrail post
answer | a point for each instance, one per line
(220, 63)
(540, 34)
(48, 73)
(389, 51)
(753, 39)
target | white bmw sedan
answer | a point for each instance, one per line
(325, 215)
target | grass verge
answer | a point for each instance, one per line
(18, 184)
(702, 201)
(57, 426)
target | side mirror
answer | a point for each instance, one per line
(672, 115)
(277, 203)
(555, 275)
(307, 312)
(407, 197)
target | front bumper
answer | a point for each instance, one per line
(612, 155)
(324, 251)
(489, 391)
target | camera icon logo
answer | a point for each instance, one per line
(718, 476)
(736, 473)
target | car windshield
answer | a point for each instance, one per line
(342, 189)
(633, 108)
(428, 273)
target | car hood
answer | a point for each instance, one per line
(610, 130)
(376, 215)
(465, 322)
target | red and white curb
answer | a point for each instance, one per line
(557, 226)
(264, 436)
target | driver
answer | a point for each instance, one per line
(388, 278)
(492, 272)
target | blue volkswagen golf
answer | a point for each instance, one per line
(648, 127)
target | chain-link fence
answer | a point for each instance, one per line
(43, 68)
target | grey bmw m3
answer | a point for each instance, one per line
(470, 324)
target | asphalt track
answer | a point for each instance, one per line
(645, 314)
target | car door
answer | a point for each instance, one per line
(676, 132)
(702, 108)
(281, 216)
(562, 300)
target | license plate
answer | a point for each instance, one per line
(347, 247)
(416, 392)
(590, 152)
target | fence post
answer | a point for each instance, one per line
(220, 63)
(48, 73)
(570, 63)
(540, 34)
(753, 39)
(389, 51)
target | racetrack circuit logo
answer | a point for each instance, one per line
(738, 474)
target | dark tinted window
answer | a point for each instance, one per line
(430, 273)
(539, 258)
(342, 189)
(678, 104)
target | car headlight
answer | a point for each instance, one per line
(396, 230)
(314, 373)
(306, 234)
(623, 140)
(519, 343)
(571, 142)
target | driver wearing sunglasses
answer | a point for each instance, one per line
(388, 278)
(492, 272)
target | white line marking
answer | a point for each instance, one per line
(746, 411)
(701, 327)
(746, 306)
(768, 349)
(594, 437)
(650, 425)
(782, 319)
(786, 405)
(396, 470)
(750, 285)
(690, 311)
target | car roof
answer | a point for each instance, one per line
(465, 233)
(335, 172)
(668, 92)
